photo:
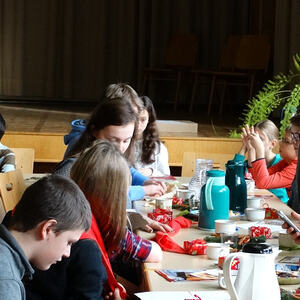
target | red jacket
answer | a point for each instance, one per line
(280, 175)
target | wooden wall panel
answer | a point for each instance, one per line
(177, 146)
(48, 147)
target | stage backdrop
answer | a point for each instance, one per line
(72, 49)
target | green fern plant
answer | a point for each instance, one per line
(290, 108)
(273, 94)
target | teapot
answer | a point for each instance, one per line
(256, 278)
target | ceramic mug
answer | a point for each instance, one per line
(214, 250)
(250, 185)
(253, 202)
(225, 226)
(163, 203)
(184, 193)
(254, 214)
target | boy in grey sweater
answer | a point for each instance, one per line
(51, 215)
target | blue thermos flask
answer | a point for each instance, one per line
(214, 200)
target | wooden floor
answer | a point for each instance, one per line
(56, 118)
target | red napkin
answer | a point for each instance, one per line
(178, 223)
(164, 240)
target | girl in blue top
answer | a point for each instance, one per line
(114, 120)
(269, 134)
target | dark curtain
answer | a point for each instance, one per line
(72, 49)
(287, 34)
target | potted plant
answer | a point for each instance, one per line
(283, 90)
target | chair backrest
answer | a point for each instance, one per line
(24, 159)
(11, 188)
(189, 161)
(228, 54)
(253, 52)
(182, 50)
(245, 52)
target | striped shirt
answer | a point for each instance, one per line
(135, 247)
(7, 159)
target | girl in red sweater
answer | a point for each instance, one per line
(280, 175)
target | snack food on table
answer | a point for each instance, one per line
(195, 247)
(257, 231)
(161, 215)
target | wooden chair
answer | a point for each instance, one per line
(181, 56)
(24, 159)
(11, 188)
(241, 59)
(189, 161)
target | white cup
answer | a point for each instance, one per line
(184, 193)
(254, 214)
(250, 185)
(253, 202)
(225, 226)
(214, 250)
(163, 203)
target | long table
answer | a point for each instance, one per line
(154, 282)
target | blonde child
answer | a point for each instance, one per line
(280, 175)
(103, 175)
(269, 135)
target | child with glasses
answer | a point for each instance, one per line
(280, 175)
(294, 202)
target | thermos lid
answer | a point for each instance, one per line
(215, 173)
(232, 163)
(257, 248)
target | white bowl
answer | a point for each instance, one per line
(184, 193)
(254, 214)
(254, 202)
(250, 185)
(214, 250)
(225, 226)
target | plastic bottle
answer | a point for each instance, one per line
(198, 180)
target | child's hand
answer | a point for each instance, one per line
(113, 296)
(116, 295)
(257, 144)
(246, 135)
(154, 188)
(294, 235)
(154, 225)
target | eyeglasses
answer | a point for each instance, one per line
(295, 136)
(285, 141)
